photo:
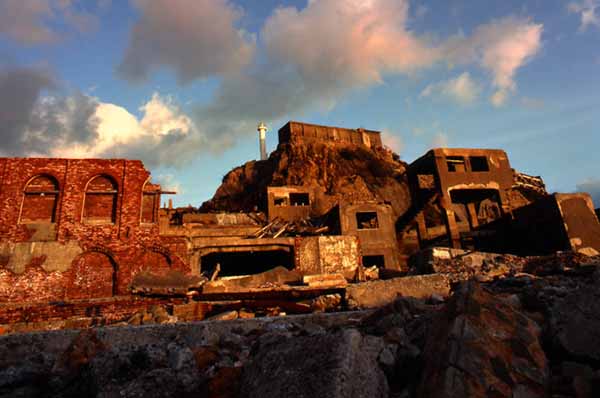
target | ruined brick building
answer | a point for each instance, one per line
(79, 229)
(328, 201)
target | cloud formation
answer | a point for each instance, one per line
(352, 42)
(163, 135)
(501, 47)
(306, 59)
(587, 11)
(196, 39)
(38, 119)
(462, 89)
(34, 21)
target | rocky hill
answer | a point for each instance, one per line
(333, 170)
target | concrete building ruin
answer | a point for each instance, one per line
(83, 229)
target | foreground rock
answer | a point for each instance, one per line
(532, 333)
(341, 364)
(483, 347)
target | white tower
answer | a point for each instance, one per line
(262, 132)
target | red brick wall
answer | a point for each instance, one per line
(113, 251)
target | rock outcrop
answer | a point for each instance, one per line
(350, 171)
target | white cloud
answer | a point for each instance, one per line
(197, 39)
(308, 59)
(501, 47)
(34, 21)
(346, 42)
(462, 89)
(587, 10)
(118, 133)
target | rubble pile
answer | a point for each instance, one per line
(528, 334)
(278, 227)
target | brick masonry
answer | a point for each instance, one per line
(43, 202)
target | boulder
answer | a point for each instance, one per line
(335, 365)
(481, 346)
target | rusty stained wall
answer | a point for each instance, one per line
(433, 167)
(442, 175)
(297, 132)
(327, 255)
(75, 257)
(375, 240)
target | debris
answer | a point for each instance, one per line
(224, 316)
(324, 280)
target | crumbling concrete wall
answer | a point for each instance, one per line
(71, 253)
(290, 203)
(327, 255)
(373, 224)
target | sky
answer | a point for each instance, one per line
(182, 84)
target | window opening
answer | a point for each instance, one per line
(40, 200)
(455, 163)
(479, 163)
(367, 220)
(370, 261)
(299, 199)
(100, 201)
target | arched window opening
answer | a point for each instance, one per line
(40, 199)
(150, 202)
(100, 204)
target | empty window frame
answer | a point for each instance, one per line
(40, 198)
(367, 220)
(100, 203)
(280, 201)
(455, 163)
(370, 261)
(299, 199)
(479, 163)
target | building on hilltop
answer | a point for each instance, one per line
(297, 132)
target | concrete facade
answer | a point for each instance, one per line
(469, 188)
(297, 132)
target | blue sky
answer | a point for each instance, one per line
(181, 84)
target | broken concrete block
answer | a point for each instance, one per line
(379, 293)
(224, 316)
(324, 280)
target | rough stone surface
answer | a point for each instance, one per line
(379, 293)
(342, 171)
(334, 365)
(483, 347)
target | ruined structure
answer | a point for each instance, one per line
(329, 207)
(79, 229)
(472, 198)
